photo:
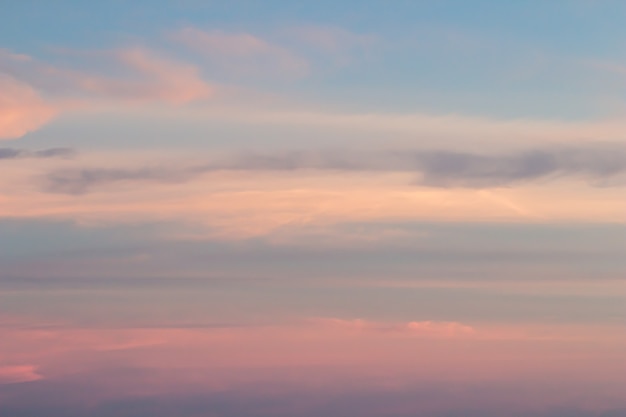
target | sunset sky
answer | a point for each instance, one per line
(278, 208)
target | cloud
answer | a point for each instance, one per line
(22, 109)
(460, 169)
(19, 373)
(84, 180)
(81, 181)
(140, 76)
(13, 153)
(243, 53)
(413, 328)
(161, 79)
(332, 39)
(332, 44)
(440, 169)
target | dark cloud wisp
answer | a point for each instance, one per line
(469, 170)
(82, 181)
(12, 153)
(439, 168)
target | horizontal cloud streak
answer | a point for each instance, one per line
(17, 374)
(13, 153)
(438, 168)
(458, 169)
(84, 180)
(415, 328)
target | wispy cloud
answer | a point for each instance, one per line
(22, 109)
(242, 53)
(81, 181)
(335, 44)
(141, 74)
(18, 373)
(159, 79)
(13, 153)
(433, 168)
(459, 169)
(332, 39)
(135, 75)
(412, 328)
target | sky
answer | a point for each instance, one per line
(312, 208)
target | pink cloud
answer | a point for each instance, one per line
(242, 52)
(445, 328)
(331, 351)
(140, 75)
(143, 77)
(159, 79)
(19, 373)
(413, 328)
(22, 109)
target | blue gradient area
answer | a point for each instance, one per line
(447, 56)
(569, 26)
(312, 208)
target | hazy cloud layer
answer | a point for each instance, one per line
(437, 168)
(53, 399)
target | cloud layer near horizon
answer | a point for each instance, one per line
(446, 169)
(348, 358)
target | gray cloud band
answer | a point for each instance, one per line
(12, 153)
(442, 169)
